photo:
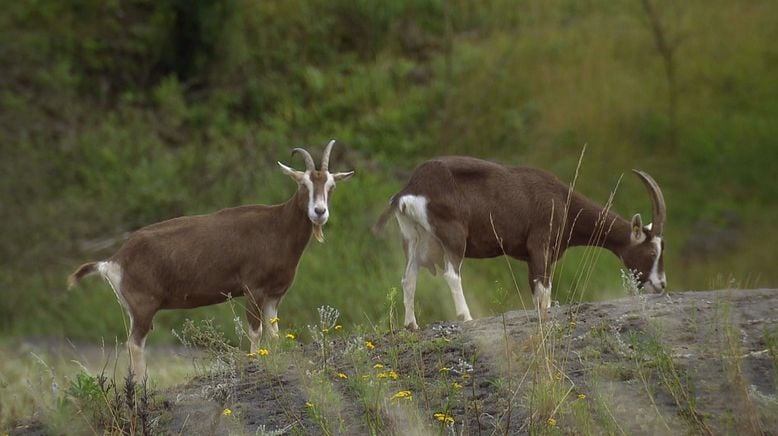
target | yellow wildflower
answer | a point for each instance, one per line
(551, 422)
(338, 327)
(227, 412)
(274, 320)
(403, 395)
(308, 404)
(263, 352)
(341, 375)
(444, 418)
(378, 366)
(456, 385)
(369, 345)
(290, 336)
(445, 369)
(325, 330)
(389, 374)
(581, 396)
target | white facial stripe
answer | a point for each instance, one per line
(322, 200)
(329, 184)
(309, 185)
(654, 276)
(319, 201)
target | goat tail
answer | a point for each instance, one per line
(379, 225)
(83, 270)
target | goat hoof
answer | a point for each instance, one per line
(412, 326)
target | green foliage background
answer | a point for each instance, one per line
(117, 114)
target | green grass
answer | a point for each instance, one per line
(55, 384)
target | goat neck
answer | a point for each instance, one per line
(589, 224)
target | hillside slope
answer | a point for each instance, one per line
(691, 362)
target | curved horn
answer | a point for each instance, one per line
(659, 209)
(309, 165)
(325, 157)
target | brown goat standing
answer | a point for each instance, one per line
(195, 261)
(457, 207)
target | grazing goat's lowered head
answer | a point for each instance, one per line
(318, 184)
(644, 255)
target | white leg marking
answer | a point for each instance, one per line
(112, 273)
(269, 315)
(541, 295)
(454, 281)
(254, 337)
(409, 287)
(137, 358)
(415, 228)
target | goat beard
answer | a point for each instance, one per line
(318, 233)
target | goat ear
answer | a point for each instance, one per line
(637, 236)
(342, 176)
(291, 172)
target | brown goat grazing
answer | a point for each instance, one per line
(195, 261)
(457, 207)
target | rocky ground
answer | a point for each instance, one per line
(691, 362)
(687, 363)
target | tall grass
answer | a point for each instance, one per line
(40, 383)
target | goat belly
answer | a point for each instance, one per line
(190, 300)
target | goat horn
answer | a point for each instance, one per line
(309, 165)
(659, 209)
(325, 157)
